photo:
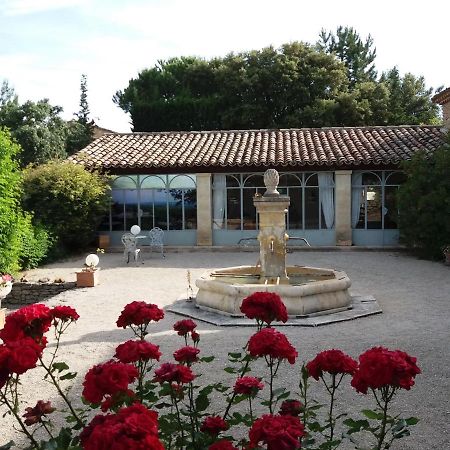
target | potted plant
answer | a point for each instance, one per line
(89, 275)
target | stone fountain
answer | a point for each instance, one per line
(304, 290)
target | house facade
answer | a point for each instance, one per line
(199, 186)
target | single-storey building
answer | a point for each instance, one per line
(198, 186)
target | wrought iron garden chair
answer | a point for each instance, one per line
(156, 236)
(130, 248)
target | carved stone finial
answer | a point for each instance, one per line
(271, 180)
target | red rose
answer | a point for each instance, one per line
(214, 425)
(24, 354)
(248, 385)
(265, 307)
(133, 351)
(270, 342)
(183, 327)
(380, 367)
(139, 313)
(4, 371)
(65, 313)
(222, 445)
(174, 373)
(109, 378)
(186, 354)
(277, 432)
(195, 336)
(134, 427)
(333, 362)
(30, 321)
(290, 408)
(34, 415)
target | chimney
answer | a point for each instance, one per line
(443, 99)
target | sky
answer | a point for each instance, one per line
(45, 45)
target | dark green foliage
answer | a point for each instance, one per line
(424, 204)
(358, 56)
(290, 86)
(68, 200)
(21, 245)
(37, 128)
(409, 99)
(297, 85)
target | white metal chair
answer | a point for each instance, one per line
(156, 236)
(130, 248)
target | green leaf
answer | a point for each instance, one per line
(201, 403)
(372, 414)
(235, 355)
(412, 421)
(59, 366)
(69, 376)
(283, 396)
(230, 370)
(207, 359)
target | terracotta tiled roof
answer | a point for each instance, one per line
(337, 147)
(442, 97)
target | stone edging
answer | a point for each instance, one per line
(25, 293)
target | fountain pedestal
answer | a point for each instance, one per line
(272, 237)
(304, 290)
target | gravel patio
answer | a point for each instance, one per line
(414, 296)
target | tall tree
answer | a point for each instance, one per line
(409, 99)
(357, 55)
(80, 132)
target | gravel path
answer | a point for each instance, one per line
(414, 295)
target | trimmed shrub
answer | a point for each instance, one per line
(424, 203)
(68, 200)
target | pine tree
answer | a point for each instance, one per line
(81, 131)
(357, 55)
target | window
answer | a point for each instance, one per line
(311, 200)
(165, 201)
(374, 199)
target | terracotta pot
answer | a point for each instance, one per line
(88, 279)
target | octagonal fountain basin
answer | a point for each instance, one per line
(307, 291)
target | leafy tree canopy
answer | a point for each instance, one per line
(333, 83)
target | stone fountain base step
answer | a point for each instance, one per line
(360, 306)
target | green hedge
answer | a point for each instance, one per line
(424, 204)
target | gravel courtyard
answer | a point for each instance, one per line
(414, 295)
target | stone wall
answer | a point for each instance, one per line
(23, 293)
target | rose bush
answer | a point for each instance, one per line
(147, 405)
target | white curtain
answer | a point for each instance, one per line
(219, 199)
(357, 190)
(326, 185)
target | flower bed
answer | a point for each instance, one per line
(141, 402)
